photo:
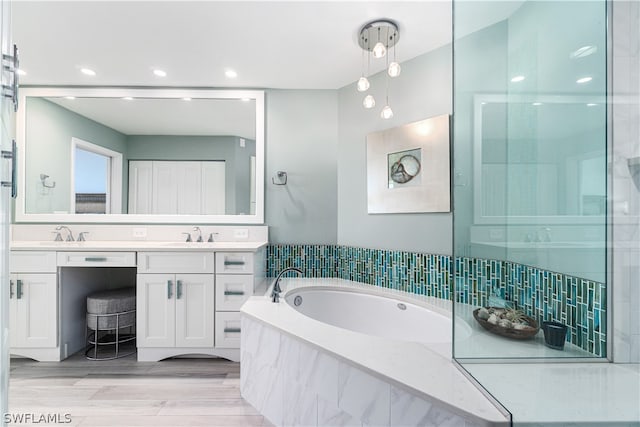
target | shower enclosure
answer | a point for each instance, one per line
(532, 189)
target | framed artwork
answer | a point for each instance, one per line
(408, 168)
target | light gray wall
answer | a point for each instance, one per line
(148, 147)
(422, 90)
(49, 129)
(301, 139)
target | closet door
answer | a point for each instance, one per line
(213, 188)
(165, 188)
(140, 187)
(189, 181)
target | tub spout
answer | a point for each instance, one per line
(275, 291)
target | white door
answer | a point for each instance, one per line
(155, 310)
(140, 187)
(189, 180)
(165, 188)
(194, 310)
(36, 311)
(213, 188)
(7, 129)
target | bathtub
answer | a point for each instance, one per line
(337, 352)
(373, 314)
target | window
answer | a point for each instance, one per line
(96, 184)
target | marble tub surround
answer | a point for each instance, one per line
(357, 379)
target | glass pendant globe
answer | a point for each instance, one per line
(386, 112)
(363, 84)
(379, 50)
(368, 102)
(394, 69)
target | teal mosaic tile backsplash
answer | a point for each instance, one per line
(544, 295)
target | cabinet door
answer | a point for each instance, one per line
(155, 310)
(35, 318)
(140, 187)
(13, 308)
(194, 310)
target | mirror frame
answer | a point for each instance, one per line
(21, 216)
(478, 101)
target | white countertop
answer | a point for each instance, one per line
(133, 245)
(428, 371)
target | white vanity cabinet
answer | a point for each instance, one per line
(175, 305)
(175, 310)
(33, 305)
(235, 282)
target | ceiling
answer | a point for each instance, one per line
(166, 116)
(270, 44)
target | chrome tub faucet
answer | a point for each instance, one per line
(275, 291)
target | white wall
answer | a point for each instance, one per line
(626, 199)
(301, 139)
(422, 90)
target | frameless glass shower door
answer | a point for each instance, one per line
(530, 146)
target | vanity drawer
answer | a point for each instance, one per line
(32, 262)
(234, 262)
(175, 262)
(228, 330)
(232, 290)
(96, 259)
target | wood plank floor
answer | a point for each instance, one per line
(124, 392)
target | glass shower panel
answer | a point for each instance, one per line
(530, 185)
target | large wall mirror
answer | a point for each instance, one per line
(539, 159)
(118, 155)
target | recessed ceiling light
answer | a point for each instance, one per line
(21, 72)
(186, 98)
(584, 80)
(583, 51)
(87, 71)
(537, 104)
(127, 98)
(246, 99)
(231, 74)
(160, 73)
(591, 104)
(517, 79)
(69, 97)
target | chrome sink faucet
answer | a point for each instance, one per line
(69, 233)
(275, 291)
(199, 239)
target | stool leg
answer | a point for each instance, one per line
(96, 337)
(117, 334)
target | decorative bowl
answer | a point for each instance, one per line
(528, 331)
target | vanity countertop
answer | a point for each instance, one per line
(133, 245)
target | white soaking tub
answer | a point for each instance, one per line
(337, 352)
(373, 314)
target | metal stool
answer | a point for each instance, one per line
(108, 313)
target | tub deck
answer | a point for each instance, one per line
(426, 372)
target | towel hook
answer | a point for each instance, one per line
(280, 178)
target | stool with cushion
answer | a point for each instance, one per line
(111, 321)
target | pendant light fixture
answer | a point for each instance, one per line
(376, 38)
